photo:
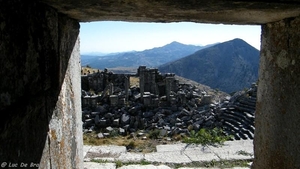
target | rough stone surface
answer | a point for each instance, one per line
(174, 153)
(214, 11)
(277, 131)
(40, 79)
(145, 167)
(215, 168)
(131, 157)
(175, 157)
(109, 151)
(92, 165)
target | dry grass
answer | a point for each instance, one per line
(86, 70)
(134, 81)
(135, 144)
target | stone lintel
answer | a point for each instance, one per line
(215, 11)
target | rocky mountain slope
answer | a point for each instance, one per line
(230, 66)
(150, 58)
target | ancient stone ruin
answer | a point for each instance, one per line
(161, 102)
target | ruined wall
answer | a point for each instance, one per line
(277, 115)
(40, 87)
(97, 82)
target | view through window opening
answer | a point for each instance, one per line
(147, 83)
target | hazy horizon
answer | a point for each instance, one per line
(115, 37)
(95, 52)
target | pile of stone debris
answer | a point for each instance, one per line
(162, 103)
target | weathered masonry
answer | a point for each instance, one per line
(40, 104)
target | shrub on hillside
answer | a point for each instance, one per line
(207, 137)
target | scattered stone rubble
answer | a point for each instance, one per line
(163, 103)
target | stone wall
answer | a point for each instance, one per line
(277, 115)
(98, 82)
(40, 87)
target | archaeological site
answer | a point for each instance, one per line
(164, 103)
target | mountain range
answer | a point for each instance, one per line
(150, 58)
(229, 66)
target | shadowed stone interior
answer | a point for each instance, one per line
(40, 86)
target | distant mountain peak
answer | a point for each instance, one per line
(229, 66)
(238, 41)
(174, 43)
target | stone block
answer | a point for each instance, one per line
(122, 131)
(116, 122)
(114, 100)
(147, 100)
(102, 122)
(206, 99)
(100, 135)
(125, 119)
(155, 102)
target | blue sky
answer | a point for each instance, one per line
(111, 36)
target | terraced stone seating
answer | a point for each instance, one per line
(237, 116)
